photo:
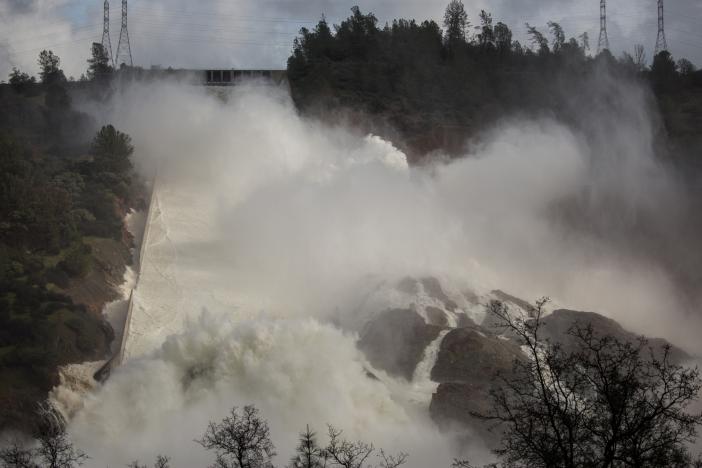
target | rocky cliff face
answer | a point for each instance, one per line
(395, 341)
(473, 353)
(555, 329)
(468, 365)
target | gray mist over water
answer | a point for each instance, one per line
(301, 213)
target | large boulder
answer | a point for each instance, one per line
(469, 358)
(395, 340)
(473, 355)
(521, 307)
(468, 364)
(555, 328)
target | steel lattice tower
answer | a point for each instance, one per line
(124, 50)
(661, 43)
(106, 42)
(604, 40)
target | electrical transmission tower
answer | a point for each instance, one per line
(106, 43)
(604, 40)
(124, 50)
(661, 43)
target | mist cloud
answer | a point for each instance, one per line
(278, 225)
(299, 203)
(20, 6)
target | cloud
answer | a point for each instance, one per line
(16, 7)
(28, 27)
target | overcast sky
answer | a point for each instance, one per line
(259, 33)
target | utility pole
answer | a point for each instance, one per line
(661, 43)
(604, 40)
(124, 50)
(106, 43)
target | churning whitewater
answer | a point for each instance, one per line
(270, 244)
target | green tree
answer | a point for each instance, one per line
(99, 62)
(49, 70)
(112, 149)
(486, 38)
(456, 23)
(558, 36)
(20, 81)
(357, 36)
(308, 453)
(664, 72)
(503, 37)
(77, 260)
(685, 67)
(538, 39)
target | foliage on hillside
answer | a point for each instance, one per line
(62, 199)
(437, 88)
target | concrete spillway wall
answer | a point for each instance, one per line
(104, 372)
(142, 254)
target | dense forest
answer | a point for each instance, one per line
(64, 190)
(429, 88)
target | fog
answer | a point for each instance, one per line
(302, 216)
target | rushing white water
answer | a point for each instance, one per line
(76, 382)
(273, 363)
(421, 380)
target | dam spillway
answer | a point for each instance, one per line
(177, 254)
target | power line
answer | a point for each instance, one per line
(124, 48)
(106, 42)
(603, 43)
(661, 43)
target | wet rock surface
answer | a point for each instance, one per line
(471, 357)
(394, 341)
(467, 368)
(555, 328)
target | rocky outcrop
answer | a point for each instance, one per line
(394, 341)
(470, 358)
(432, 287)
(472, 355)
(494, 324)
(555, 328)
(467, 367)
